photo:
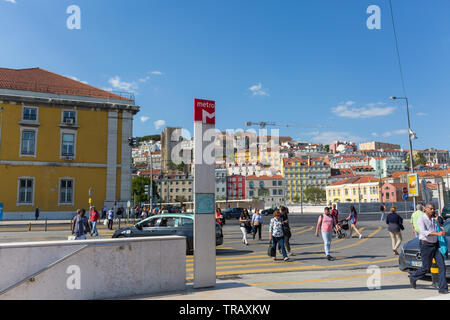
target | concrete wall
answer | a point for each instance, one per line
(374, 207)
(104, 269)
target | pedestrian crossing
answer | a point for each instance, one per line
(253, 258)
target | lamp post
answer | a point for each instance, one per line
(411, 136)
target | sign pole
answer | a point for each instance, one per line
(204, 194)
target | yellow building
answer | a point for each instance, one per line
(355, 189)
(301, 174)
(59, 139)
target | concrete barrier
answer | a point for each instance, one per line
(92, 269)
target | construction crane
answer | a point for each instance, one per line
(263, 125)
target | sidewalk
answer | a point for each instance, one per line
(224, 290)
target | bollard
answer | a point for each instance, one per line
(29, 227)
(45, 225)
(434, 274)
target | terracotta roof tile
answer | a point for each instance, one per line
(40, 80)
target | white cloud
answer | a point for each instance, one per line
(11, 1)
(122, 85)
(374, 134)
(143, 80)
(144, 119)
(422, 114)
(159, 124)
(257, 90)
(156, 73)
(332, 136)
(396, 132)
(345, 110)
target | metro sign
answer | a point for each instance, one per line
(205, 111)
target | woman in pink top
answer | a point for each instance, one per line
(326, 224)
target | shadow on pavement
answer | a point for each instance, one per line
(336, 290)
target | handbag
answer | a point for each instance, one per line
(271, 251)
(105, 223)
(443, 242)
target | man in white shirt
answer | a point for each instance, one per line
(429, 249)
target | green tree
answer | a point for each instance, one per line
(138, 188)
(419, 159)
(315, 195)
(327, 147)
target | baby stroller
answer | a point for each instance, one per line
(339, 229)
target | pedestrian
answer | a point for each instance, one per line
(110, 219)
(164, 210)
(94, 217)
(429, 249)
(277, 234)
(415, 217)
(395, 226)
(335, 214)
(257, 222)
(219, 217)
(352, 218)
(36, 213)
(245, 219)
(382, 211)
(103, 213)
(183, 209)
(144, 213)
(326, 225)
(286, 230)
(80, 225)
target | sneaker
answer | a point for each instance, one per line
(286, 259)
(360, 236)
(330, 258)
(290, 254)
(443, 292)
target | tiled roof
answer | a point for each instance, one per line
(356, 180)
(40, 80)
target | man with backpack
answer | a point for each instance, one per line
(80, 225)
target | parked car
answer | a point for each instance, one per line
(179, 224)
(410, 259)
(446, 212)
(232, 213)
(270, 211)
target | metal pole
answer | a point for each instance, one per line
(411, 158)
(151, 181)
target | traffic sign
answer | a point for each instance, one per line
(405, 190)
(205, 111)
(413, 185)
(1, 211)
(405, 197)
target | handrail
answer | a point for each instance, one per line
(42, 270)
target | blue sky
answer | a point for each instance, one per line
(311, 63)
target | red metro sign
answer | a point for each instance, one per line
(205, 111)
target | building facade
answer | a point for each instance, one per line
(62, 141)
(271, 189)
(378, 146)
(301, 174)
(236, 187)
(356, 189)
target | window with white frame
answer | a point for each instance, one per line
(28, 144)
(25, 191)
(66, 191)
(30, 114)
(69, 116)
(68, 145)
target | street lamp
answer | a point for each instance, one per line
(411, 135)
